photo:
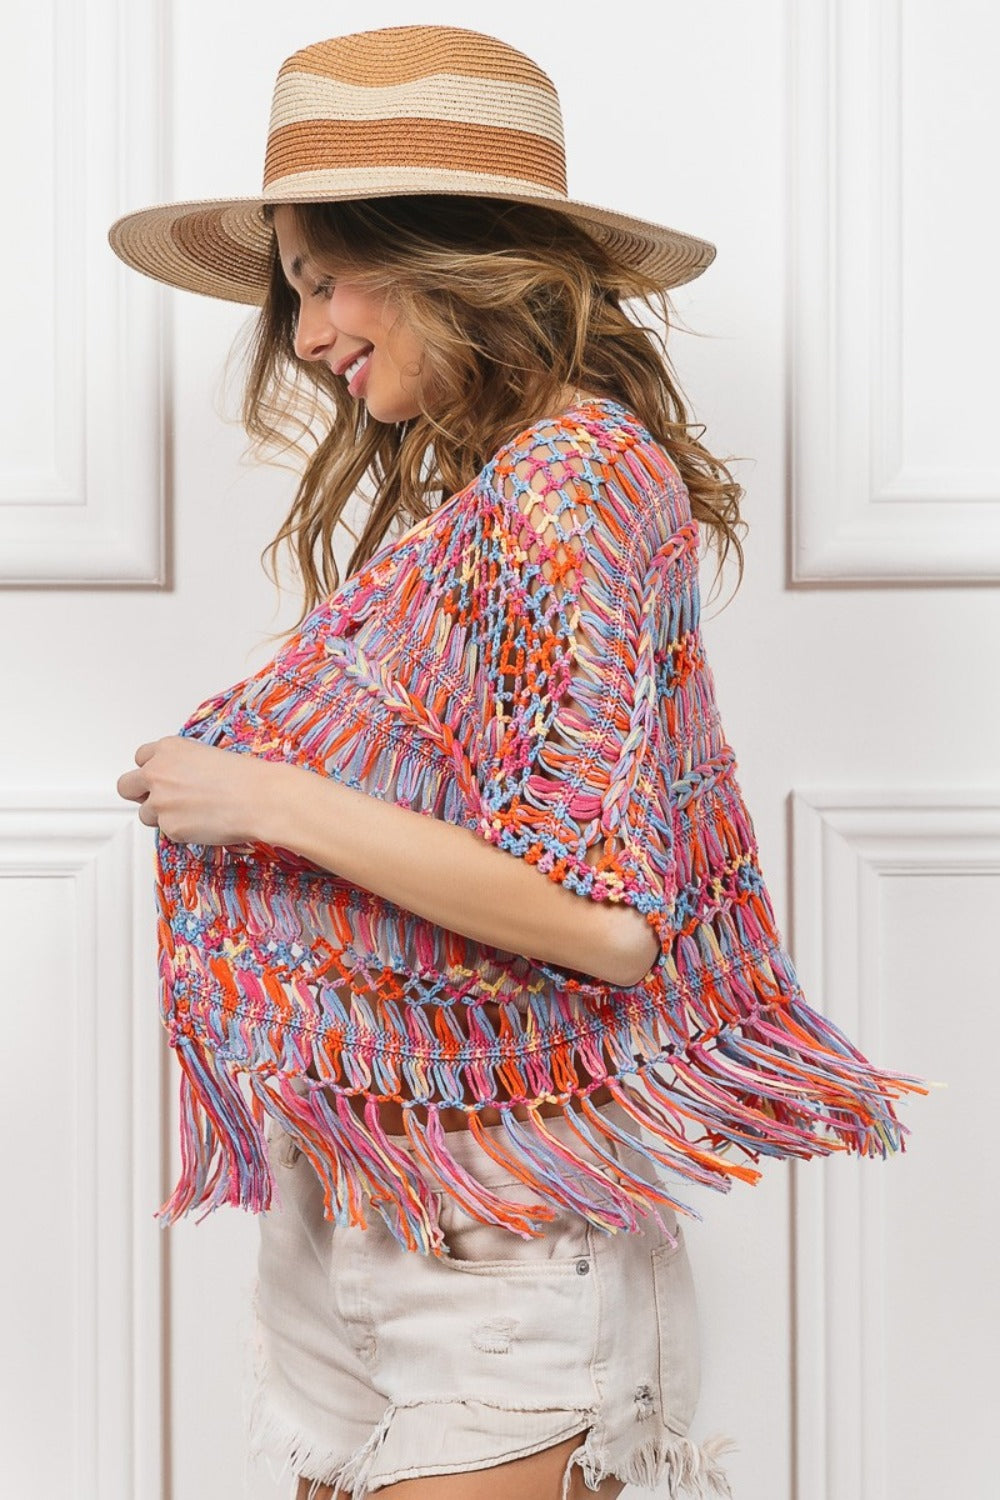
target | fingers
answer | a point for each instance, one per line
(132, 786)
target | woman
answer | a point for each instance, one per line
(478, 1087)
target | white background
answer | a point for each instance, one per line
(840, 155)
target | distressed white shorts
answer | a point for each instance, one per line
(375, 1364)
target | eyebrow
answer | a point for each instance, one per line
(297, 264)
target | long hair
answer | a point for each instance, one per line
(511, 303)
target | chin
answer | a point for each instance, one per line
(397, 408)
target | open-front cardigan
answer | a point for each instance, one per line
(527, 663)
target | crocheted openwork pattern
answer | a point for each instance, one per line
(528, 664)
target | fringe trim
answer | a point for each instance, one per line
(225, 1159)
(750, 1061)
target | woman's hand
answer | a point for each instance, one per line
(195, 793)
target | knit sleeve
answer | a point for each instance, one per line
(574, 774)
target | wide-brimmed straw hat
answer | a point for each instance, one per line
(399, 110)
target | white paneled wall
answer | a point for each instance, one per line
(81, 1378)
(841, 155)
(896, 1304)
(893, 115)
(81, 425)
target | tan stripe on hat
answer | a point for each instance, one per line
(442, 96)
(451, 146)
(400, 54)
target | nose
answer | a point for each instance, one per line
(314, 332)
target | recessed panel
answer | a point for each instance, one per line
(941, 979)
(950, 143)
(42, 1260)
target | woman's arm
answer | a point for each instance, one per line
(444, 873)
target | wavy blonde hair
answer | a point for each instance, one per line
(512, 303)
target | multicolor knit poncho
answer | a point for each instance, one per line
(528, 664)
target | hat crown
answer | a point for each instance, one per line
(414, 104)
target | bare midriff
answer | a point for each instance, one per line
(453, 1117)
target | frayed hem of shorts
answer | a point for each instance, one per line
(685, 1469)
(307, 1458)
(270, 1433)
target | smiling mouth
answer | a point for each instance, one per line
(356, 363)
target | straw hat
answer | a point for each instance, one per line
(404, 109)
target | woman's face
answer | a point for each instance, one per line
(357, 333)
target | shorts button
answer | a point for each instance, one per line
(582, 1267)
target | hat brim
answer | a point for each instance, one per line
(220, 246)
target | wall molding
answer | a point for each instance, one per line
(82, 483)
(860, 510)
(845, 844)
(115, 1177)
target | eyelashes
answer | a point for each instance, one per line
(325, 288)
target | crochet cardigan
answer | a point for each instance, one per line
(527, 664)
